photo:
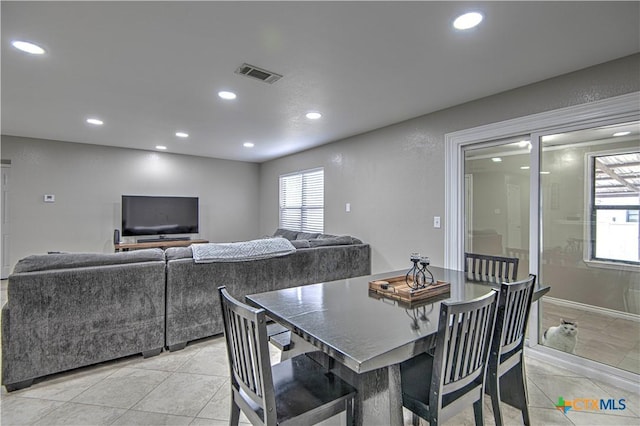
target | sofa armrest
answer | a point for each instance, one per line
(67, 318)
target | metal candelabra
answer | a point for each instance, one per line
(416, 278)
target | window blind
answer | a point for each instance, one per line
(302, 201)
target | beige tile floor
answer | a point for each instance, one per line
(191, 387)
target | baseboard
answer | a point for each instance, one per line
(585, 367)
(590, 308)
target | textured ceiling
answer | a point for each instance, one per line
(149, 69)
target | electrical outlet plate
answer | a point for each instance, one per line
(49, 198)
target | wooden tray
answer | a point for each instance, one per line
(397, 289)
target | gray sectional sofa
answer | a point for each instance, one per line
(66, 311)
(193, 308)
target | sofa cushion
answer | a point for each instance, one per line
(324, 236)
(307, 235)
(335, 241)
(173, 253)
(301, 244)
(286, 233)
(354, 239)
(44, 262)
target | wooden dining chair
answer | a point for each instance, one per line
(296, 391)
(488, 266)
(506, 372)
(437, 386)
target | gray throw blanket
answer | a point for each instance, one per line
(241, 251)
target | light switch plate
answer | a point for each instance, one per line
(436, 221)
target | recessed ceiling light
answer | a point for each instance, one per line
(182, 134)
(545, 173)
(467, 21)
(524, 167)
(95, 121)
(496, 159)
(27, 47)
(524, 143)
(161, 147)
(313, 115)
(227, 95)
(248, 144)
(622, 134)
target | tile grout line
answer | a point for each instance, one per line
(143, 397)
(226, 383)
(46, 413)
(635, 414)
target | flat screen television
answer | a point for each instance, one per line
(145, 215)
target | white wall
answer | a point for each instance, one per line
(89, 180)
(394, 177)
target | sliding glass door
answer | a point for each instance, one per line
(589, 204)
(588, 197)
(564, 197)
(497, 199)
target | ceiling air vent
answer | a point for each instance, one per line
(258, 73)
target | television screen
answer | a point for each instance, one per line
(143, 215)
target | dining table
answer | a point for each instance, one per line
(363, 336)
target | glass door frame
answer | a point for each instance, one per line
(593, 114)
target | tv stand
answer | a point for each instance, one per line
(162, 239)
(163, 243)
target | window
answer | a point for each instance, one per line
(302, 201)
(615, 183)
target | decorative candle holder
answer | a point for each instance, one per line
(424, 262)
(416, 277)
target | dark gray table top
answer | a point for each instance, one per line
(357, 329)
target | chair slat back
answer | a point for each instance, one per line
(514, 305)
(482, 265)
(246, 335)
(462, 345)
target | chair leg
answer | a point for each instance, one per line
(513, 390)
(525, 395)
(234, 417)
(478, 412)
(493, 389)
(525, 416)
